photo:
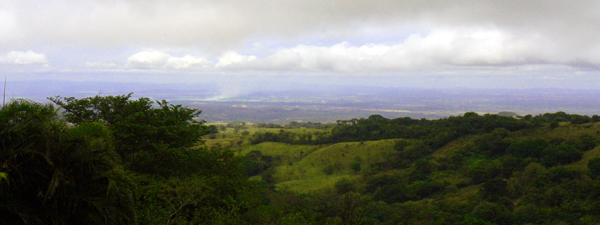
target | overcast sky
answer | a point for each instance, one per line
(431, 44)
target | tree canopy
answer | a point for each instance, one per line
(137, 125)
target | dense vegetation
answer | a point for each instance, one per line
(113, 160)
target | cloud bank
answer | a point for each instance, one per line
(342, 36)
(441, 48)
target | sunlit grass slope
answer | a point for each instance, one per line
(309, 174)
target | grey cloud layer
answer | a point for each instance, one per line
(457, 33)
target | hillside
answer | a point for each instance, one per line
(508, 171)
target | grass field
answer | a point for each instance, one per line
(308, 174)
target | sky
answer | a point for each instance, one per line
(241, 43)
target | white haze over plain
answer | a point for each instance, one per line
(336, 39)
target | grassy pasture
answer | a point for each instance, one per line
(308, 174)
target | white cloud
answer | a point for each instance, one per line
(440, 48)
(161, 60)
(230, 58)
(23, 58)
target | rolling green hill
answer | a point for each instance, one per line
(512, 167)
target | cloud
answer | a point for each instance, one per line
(23, 58)
(225, 25)
(230, 58)
(312, 35)
(161, 60)
(441, 48)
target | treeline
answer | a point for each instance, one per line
(435, 133)
(295, 124)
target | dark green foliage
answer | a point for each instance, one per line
(212, 129)
(343, 186)
(528, 148)
(584, 142)
(188, 161)
(557, 116)
(436, 133)
(554, 123)
(55, 173)
(424, 189)
(560, 154)
(485, 170)
(407, 155)
(355, 166)
(493, 212)
(394, 193)
(375, 182)
(562, 174)
(202, 185)
(136, 124)
(422, 168)
(494, 189)
(594, 167)
(331, 168)
(527, 214)
(351, 208)
(267, 176)
(255, 163)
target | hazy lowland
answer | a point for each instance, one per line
(327, 103)
(340, 156)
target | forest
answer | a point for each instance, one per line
(119, 160)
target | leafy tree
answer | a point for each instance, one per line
(136, 124)
(60, 174)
